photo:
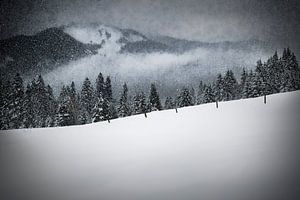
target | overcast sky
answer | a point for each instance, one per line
(205, 20)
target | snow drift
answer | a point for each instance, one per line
(244, 150)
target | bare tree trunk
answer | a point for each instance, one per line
(265, 99)
(217, 105)
(145, 114)
(176, 110)
(108, 121)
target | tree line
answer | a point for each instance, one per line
(36, 106)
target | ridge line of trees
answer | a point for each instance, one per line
(36, 105)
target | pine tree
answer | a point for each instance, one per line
(291, 71)
(218, 89)
(64, 111)
(273, 72)
(230, 86)
(208, 96)
(243, 79)
(262, 72)
(124, 109)
(169, 104)
(5, 101)
(185, 98)
(254, 86)
(257, 86)
(193, 95)
(101, 110)
(28, 120)
(108, 90)
(100, 86)
(247, 85)
(200, 93)
(87, 99)
(74, 104)
(113, 113)
(139, 103)
(154, 101)
(16, 110)
(51, 107)
(40, 102)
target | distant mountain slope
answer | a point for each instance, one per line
(244, 150)
(182, 45)
(147, 46)
(43, 51)
(113, 50)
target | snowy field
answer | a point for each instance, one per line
(243, 150)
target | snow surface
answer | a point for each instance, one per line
(243, 150)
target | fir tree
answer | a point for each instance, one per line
(200, 93)
(124, 109)
(230, 86)
(185, 98)
(263, 76)
(218, 88)
(108, 90)
(100, 86)
(113, 113)
(16, 111)
(208, 96)
(40, 102)
(291, 71)
(253, 86)
(51, 107)
(87, 99)
(101, 110)
(64, 111)
(74, 104)
(273, 72)
(193, 95)
(139, 103)
(169, 104)
(243, 79)
(154, 101)
(257, 88)
(5, 101)
(28, 120)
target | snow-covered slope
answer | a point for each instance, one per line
(243, 150)
(111, 38)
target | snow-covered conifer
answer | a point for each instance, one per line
(185, 98)
(208, 96)
(87, 99)
(169, 103)
(124, 109)
(154, 101)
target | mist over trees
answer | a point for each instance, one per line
(35, 105)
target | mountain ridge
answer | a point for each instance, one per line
(51, 48)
